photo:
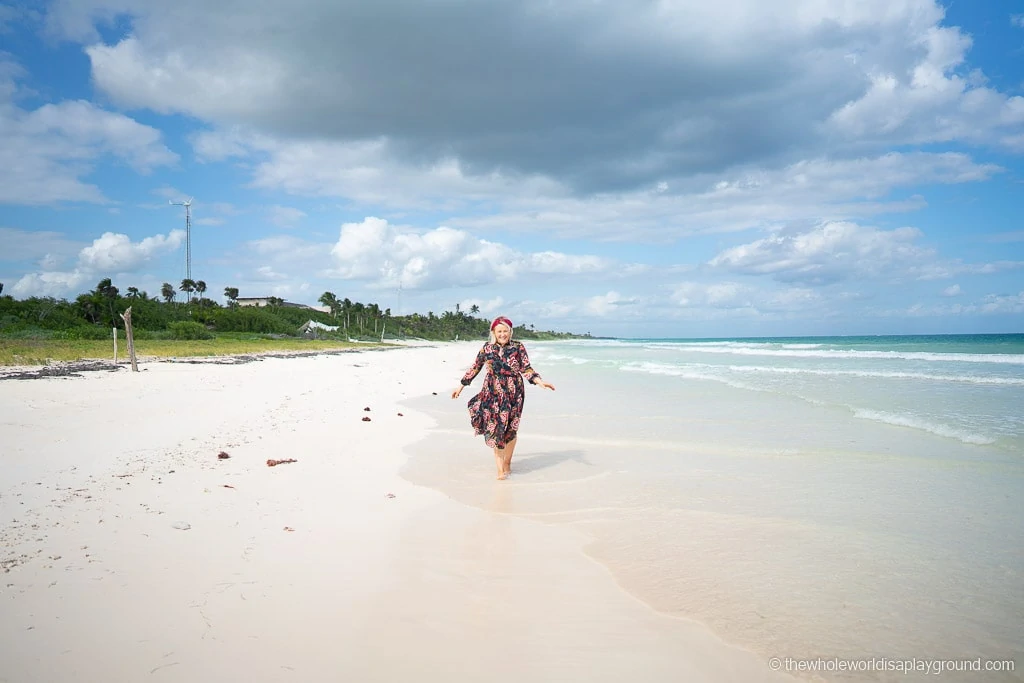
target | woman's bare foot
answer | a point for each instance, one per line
(506, 462)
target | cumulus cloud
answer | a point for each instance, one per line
(638, 95)
(49, 151)
(369, 172)
(55, 283)
(737, 296)
(116, 253)
(390, 256)
(952, 290)
(1017, 20)
(384, 256)
(930, 101)
(829, 253)
(108, 255)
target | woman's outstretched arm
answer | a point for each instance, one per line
(471, 374)
(531, 375)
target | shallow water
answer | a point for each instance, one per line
(801, 506)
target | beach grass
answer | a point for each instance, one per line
(45, 351)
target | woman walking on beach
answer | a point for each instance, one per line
(496, 410)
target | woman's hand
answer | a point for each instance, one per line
(542, 383)
(455, 394)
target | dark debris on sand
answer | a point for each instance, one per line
(242, 359)
(74, 369)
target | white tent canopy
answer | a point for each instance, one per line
(314, 325)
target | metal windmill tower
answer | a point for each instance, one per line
(188, 235)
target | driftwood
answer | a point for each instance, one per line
(127, 317)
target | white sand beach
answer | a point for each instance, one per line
(130, 551)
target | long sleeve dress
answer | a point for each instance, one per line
(495, 411)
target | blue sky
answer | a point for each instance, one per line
(641, 168)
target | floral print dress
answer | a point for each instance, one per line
(496, 410)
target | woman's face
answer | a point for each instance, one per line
(502, 333)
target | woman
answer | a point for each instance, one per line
(496, 410)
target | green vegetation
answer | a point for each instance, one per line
(38, 330)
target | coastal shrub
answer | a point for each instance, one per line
(150, 335)
(250, 319)
(93, 332)
(186, 329)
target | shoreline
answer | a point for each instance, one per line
(77, 367)
(793, 529)
(118, 510)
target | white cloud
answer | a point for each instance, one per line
(371, 172)
(291, 254)
(930, 102)
(838, 251)
(952, 290)
(698, 87)
(26, 245)
(55, 283)
(115, 252)
(389, 256)
(941, 270)
(829, 253)
(611, 303)
(109, 255)
(702, 296)
(285, 216)
(1001, 303)
(990, 304)
(1017, 20)
(268, 274)
(488, 307)
(171, 194)
(47, 152)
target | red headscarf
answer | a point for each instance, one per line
(501, 321)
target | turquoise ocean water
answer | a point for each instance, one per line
(814, 497)
(968, 388)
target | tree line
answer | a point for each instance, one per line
(92, 314)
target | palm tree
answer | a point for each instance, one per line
(358, 308)
(374, 311)
(167, 292)
(104, 296)
(1, 288)
(330, 300)
(87, 304)
(200, 289)
(346, 310)
(232, 294)
(474, 309)
(188, 286)
(133, 292)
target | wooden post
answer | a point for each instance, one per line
(127, 317)
(115, 345)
